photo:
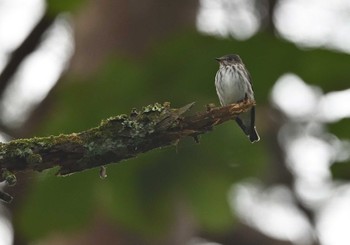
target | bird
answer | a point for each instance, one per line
(233, 85)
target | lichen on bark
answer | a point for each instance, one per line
(115, 139)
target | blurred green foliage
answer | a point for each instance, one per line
(341, 129)
(142, 193)
(341, 170)
(55, 7)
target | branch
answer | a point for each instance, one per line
(115, 139)
(28, 46)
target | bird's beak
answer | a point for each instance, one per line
(218, 59)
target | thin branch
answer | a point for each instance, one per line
(29, 45)
(115, 139)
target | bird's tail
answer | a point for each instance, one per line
(250, 132)
(253, 135)
(246, 122)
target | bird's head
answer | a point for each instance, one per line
(230, 59)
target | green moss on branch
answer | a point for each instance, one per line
(115, 139)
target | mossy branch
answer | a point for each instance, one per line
(115, 139)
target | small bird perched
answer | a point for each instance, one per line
(233, 84)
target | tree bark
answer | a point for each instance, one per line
(115, 139)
